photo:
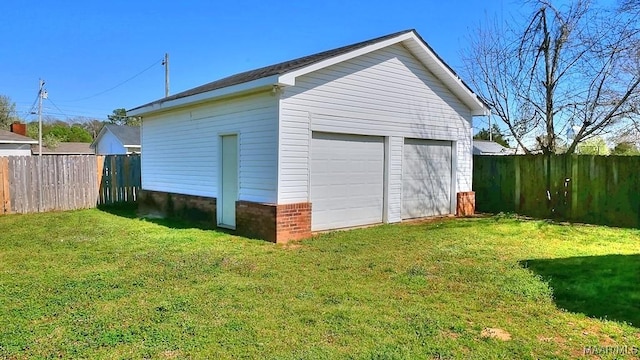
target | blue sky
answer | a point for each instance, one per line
(84, 48)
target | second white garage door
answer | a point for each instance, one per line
(426, 178)
(347, 176)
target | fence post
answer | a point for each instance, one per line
(5, 196)
(99, 172)
(574, 186)
(516, 162)
(114, 179)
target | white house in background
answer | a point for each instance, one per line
(12, 144)
(117, 139)
(486, 147)
(375, 132)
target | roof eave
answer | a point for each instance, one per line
(205, 96)
(32, 142)
(447, 75)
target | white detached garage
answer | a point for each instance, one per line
(374, 132)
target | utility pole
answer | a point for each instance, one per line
(42, 94)
(40, 97)
(165, 62)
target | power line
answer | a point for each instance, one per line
(32, 108)
(19, 105)
(55, 111)
(56, 106)
(65, 111)
(118, 85)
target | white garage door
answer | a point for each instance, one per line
(426, 178)
(347, 174)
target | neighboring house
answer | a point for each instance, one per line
(14, 142)
(375, 132)
(65, 148)
(486, 147)
(117, 139)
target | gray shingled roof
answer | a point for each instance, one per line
(486, 147)
(8, 136)
(128, 135)
(278, 69)
(66, 148)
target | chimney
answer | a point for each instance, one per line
(18, 128)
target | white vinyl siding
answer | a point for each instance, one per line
(388, 93)
(180, 149)
(15, 150)
(394, 166)
(109, 144)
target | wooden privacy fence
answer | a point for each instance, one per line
(120, 178)
(581, 188)
(66, 182)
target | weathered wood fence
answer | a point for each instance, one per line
(66, 182)
(120, 178)
(581, 188)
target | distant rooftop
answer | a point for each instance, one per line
(65, 148)
(7, 137)
(128, 135)
(486, 147)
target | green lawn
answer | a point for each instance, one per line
(94, 284)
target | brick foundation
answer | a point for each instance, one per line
(256, 220)
(275, 223)
(466, 203)
(195, 209)
(293, 222)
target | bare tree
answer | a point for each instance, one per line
(564, 68)
(93, 126)
(630, 6)
(7, 112)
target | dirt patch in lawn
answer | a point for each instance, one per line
(292, 245)
(495, 333)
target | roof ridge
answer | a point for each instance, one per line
(275, 69)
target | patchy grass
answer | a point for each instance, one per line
(93, 284)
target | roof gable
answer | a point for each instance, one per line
(285, 74)
(127, 135)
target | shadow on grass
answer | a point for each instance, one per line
(130, 211)
(598, 286)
